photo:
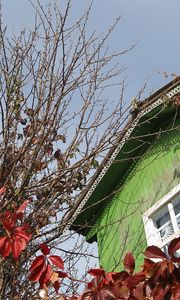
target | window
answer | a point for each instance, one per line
(162, 220)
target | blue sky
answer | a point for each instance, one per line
(154, 24)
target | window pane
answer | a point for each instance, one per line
(178, 221)
(166, 231)
(162, 220)
(166, 220)
(177, 208)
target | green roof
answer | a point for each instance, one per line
(154, 114)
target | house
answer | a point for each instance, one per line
(134, 197)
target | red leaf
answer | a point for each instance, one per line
(90, 285)
(44, 248)
(24, 235)
(2, 190)
(109, 277)
(87, 295)
(62, 274)
(149, 266)
(21, 232)
(176, 292)
(175, 259)
(6, 247)
(19, 241)
(46, 275)
(57, 261)
(138, 292)
(170, 267)
(154, 252)
(2, 240)
(135, 279)
(21, 209)
(107, 294)
(56, 286)
(18, 245)
(37, 262)
(120, 276)
(8, 222)
(129, 263)
(162, 266)
(58, 154)
(174, 246)
(123, 292)
(96, 272)
(159, 292)
(37, 272)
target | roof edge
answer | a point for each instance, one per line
(166, 93)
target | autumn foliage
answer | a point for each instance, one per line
(157, 280)
(16, 232)
(42, 271)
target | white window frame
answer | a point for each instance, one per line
(152, 236)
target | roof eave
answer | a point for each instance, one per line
(150, 103)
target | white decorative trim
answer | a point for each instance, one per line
(172, 194)
(158, 102)
(150, 229)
